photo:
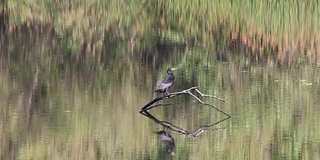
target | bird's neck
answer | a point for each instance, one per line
(171, 75)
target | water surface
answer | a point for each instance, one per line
(55, 107)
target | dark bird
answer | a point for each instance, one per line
(166, 139)
(164, 85)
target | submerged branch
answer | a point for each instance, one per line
(144, 111)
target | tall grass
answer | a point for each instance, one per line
(289, 27)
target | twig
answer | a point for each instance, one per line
(207, 95)
(217, 109)
(198, 99)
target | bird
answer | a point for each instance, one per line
(166, 139)
(164, 85)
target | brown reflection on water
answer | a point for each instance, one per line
(55, 107)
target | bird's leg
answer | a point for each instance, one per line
(167, 92)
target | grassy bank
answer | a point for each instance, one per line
(287, 27)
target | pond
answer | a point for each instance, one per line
(56, 106)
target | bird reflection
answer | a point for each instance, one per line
(164, 85)
(166, 139)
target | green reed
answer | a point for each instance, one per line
(289, 27)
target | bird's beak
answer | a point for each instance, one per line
(174, 69)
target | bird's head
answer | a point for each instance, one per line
(170, 70)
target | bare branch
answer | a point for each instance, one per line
(207, 95)
(144, 111)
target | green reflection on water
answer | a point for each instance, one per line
(56, 106)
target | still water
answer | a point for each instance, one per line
(57, 108)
